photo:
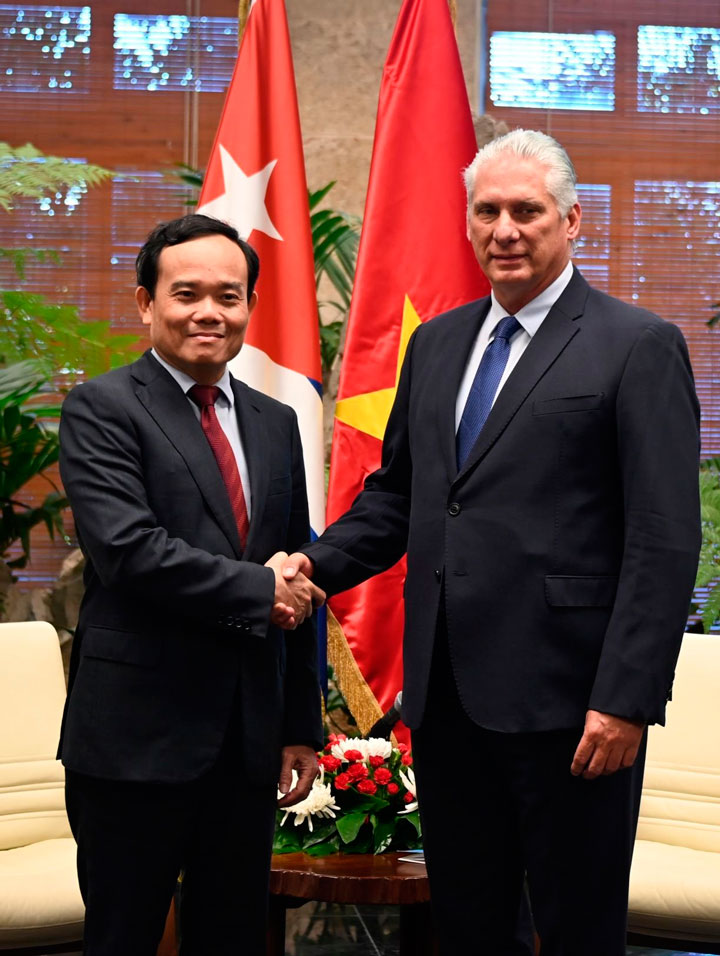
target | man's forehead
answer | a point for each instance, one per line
(197, 256)
(513, 176)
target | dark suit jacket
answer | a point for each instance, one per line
(175, 618)
(567, 545)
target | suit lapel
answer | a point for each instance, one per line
(165, 402)
(557, 329)
(255, 445)
(458, 341)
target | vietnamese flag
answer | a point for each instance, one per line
(414, 261)
(255, 180)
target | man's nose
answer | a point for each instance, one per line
(206, 310)
(505, 229)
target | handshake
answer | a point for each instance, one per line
(295, 594)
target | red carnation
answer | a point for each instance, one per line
(342, 781)
(393, 788)
(353, 755)
(382, 776)
(403, 748)
(408, 798)
(367, 786)
(357, 771)
(376, 761)
(406, 760)
(330, 763)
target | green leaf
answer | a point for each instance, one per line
(287, 840)
(414, 820)
(20, 381)
(27, 172)
(330, 343)
(320, 833)
(319, 194)
(363, 843)
(349, 825)
(58, 338)
(711, 610)
(324, 849)
(383, 833)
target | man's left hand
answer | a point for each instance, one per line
(303, 760)
(608, 744)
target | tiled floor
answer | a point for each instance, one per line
(326, 929)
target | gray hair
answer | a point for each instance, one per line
(531, 144)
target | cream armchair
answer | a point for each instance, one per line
(40, 902)
(675, 879)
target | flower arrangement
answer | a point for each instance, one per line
(363, 801)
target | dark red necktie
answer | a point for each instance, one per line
(205, 397)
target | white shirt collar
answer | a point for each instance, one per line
(186, 381)
(532, 315)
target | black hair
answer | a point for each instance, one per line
(181, 230)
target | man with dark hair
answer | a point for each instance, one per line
(540, 469)
(187, 702)
(184, 230)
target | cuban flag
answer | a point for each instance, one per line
(255, 180)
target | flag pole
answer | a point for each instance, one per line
(243, 10)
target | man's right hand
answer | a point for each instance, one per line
(298, 562)
(295, 596)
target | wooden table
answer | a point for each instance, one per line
(353, 878)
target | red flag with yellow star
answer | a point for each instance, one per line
(414, 261)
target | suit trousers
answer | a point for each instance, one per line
(497, 808)
(134, 840)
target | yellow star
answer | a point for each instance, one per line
(369, 412)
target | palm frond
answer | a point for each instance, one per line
(58, 337)
(29, 173)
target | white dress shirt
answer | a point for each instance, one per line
(530, 317)
(225, 411)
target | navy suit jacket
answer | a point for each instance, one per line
(174, 627)
(566, 547)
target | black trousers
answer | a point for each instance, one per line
(134, 839)
(497, 808)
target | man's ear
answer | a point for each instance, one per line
(144, 304)
(574, 217)
(252, 302)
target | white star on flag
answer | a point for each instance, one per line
(243, 202)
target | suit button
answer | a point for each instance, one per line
(438, 574)
(454, 509)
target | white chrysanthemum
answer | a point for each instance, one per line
(408, 779)
(378, 747)
(318, 803)
(374, 747)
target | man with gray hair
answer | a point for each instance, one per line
(540, 469)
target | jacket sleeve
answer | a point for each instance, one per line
(130, 551)
(657, 419)
(302, 720)
(373, 534)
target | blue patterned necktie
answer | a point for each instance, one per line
(487, 378)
